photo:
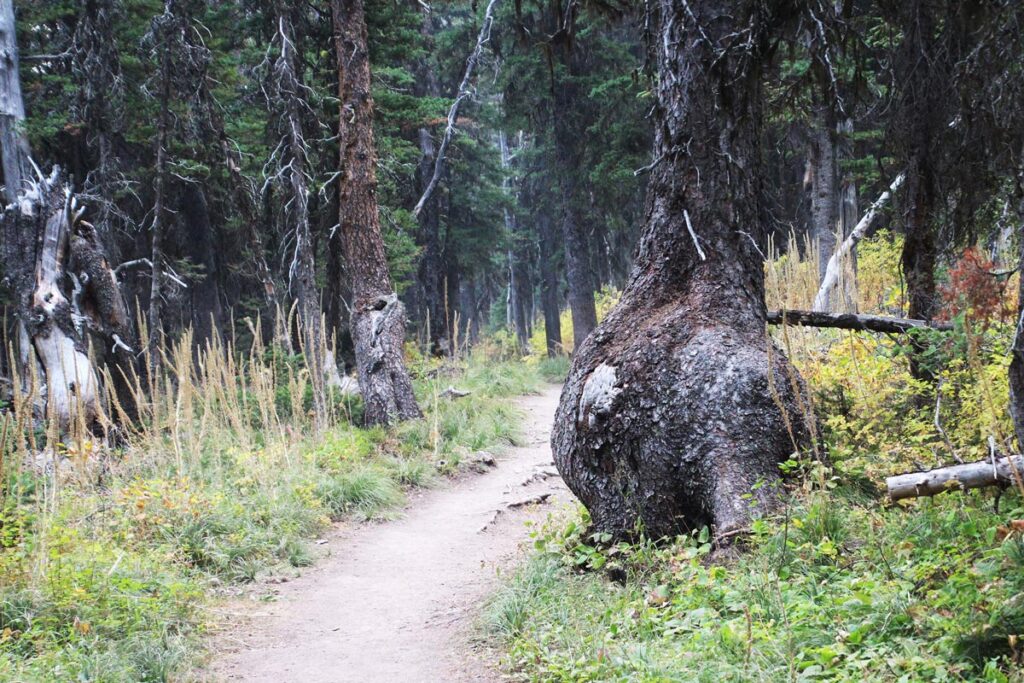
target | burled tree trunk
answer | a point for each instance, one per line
(378, 317)
(678, 406)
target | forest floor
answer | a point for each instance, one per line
(400, 600)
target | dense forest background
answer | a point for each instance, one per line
(170, 123)
(207, 153)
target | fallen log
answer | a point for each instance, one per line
(853, 321)
(453, 393)
(972, 475)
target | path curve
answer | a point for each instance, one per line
(397, 601)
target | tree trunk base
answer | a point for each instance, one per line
(378, 330)
(666, 427)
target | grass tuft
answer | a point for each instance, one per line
(107, 564)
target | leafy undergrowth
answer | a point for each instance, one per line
(839, 585)
(839, 589)
(107, 568)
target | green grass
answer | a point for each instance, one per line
(887, 594)
(107, 575)
(554, 370)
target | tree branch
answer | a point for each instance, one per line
(856, 235)
(453, 112)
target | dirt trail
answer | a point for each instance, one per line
(397, 602)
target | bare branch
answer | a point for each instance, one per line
(453, 112)
(856, 235)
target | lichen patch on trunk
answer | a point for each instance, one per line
(598, 395)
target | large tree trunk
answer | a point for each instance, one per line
(824, 201)
(207, 314)
(577, 247)
(13, 145)
(1016, 372)
(919, 124)
(549, 285)
(63, 287)
(431, 270)
(677, 409)
(919, 251)
(301, 271)
(577, 263)
(378, 317)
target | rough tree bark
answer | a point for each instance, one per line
(549, 285)
(13, 144)
(207, 314)
(577, 258)
(824, 202)
(63, 288)
(1016, 371)
(431, 269)
(677, 406)
(920, 120)
(378, 317)
(919, 249)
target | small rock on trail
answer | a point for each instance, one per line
(397, 602)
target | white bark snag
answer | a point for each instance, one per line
(453, 112)
(54, 303)
(12, 107)
(72, 385)
(972, 475)
(834, 267)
